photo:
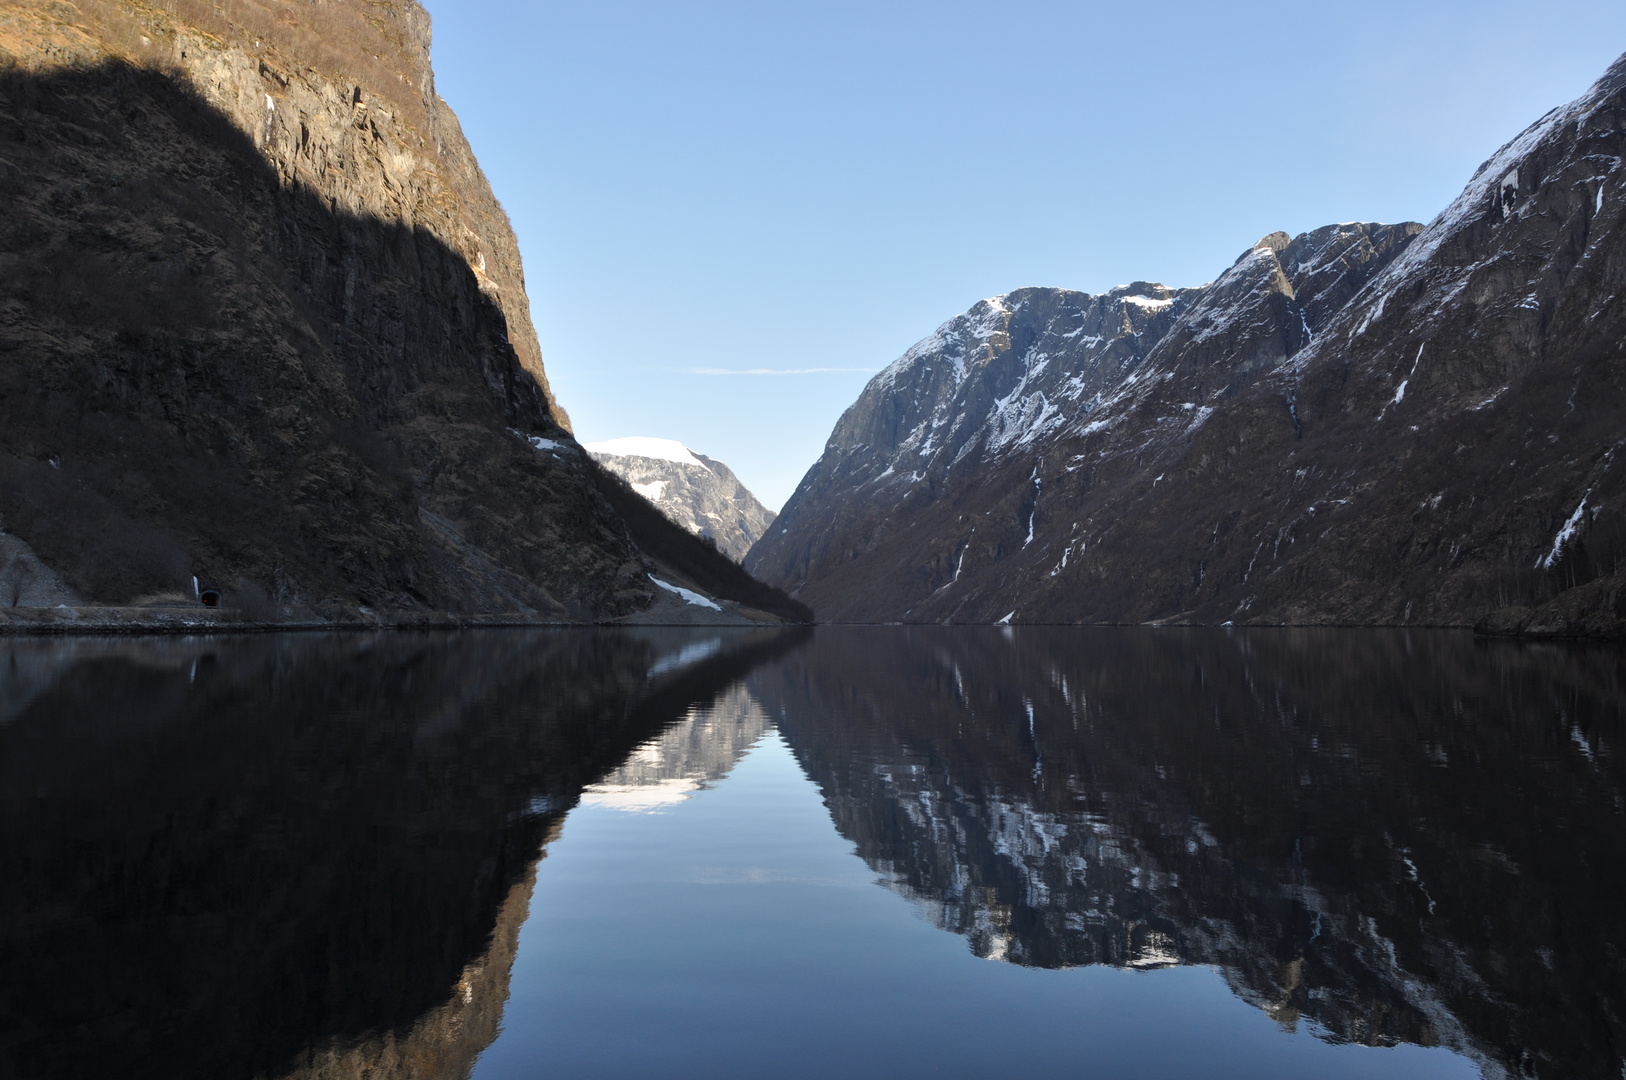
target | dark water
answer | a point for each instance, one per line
(867, 852)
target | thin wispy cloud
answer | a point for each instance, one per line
(774, 371)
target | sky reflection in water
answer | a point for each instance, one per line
(874, 852)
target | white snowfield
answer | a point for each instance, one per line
(645, 446)
(689, 595)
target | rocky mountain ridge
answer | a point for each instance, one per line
(1362, 424)
(697, 492)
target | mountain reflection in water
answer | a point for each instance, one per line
(1400, 837)
(313, 856)
(298, 855)
(691, 755)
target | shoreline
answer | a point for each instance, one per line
(113, 621)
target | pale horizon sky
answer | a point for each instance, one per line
(732, 215)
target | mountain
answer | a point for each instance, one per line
(699, 493)
(1360, 424)
(263, 330)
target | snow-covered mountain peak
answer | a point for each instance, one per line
(646, 447)
(1362, 422)
(950, 341)
(699, 493)
(1019, 376)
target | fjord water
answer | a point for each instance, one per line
(868, 851)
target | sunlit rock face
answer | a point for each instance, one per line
(1328, 820)
(1369, 424)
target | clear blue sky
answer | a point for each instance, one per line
(791, 186)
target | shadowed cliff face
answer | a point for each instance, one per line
(208, 372)
(1390, 838)
(310, 855)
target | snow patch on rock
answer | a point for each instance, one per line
(689, 595)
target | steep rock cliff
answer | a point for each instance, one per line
(1365, 424)
(263, 323)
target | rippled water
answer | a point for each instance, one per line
(869, 852)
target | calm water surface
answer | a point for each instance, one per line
(880, 852)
